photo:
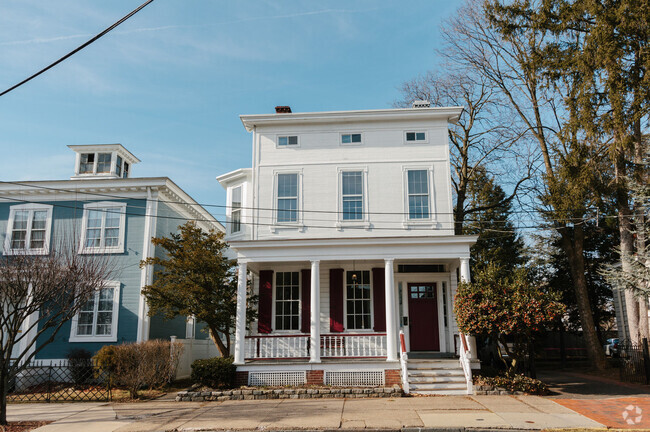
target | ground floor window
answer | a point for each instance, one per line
(358, 313)
(96, 321)
(287, 301)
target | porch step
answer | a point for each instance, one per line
(436, 376)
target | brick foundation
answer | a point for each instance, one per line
(315, 377)
(241, 378)
(392, 377)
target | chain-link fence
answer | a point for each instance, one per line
(635, 362)
(72, 380)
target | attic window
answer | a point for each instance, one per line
(284, 141)
(354, 138)
(125, 174)
(416, 136)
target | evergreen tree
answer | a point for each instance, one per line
(498, 243)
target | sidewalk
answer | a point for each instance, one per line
(520, 412)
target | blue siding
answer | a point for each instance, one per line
(66, 219)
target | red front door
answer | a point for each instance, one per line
(423, 317)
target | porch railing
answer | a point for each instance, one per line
(371, 345)
(465, 356)
(353, 345)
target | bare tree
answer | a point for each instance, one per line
(485, 137)
(570, 167)
(38, 294)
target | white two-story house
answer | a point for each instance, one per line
(344, 224)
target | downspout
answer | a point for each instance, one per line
(146, 274)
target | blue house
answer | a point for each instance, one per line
(106, 211)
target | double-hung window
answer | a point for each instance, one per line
(418, 194)
(28, 229)
(97, 319)
(287, 301)
(103, 227)
(352, 195)
(287, 198)
(358, 314)
(235, 210)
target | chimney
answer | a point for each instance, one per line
(421, 104)
(280, 109)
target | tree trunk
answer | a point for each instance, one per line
(626, 243)
(4, 388)
(644, 326)
(459, 211)
(573, 245)
(214, 335)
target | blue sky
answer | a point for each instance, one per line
(170, 83)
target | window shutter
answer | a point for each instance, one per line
(265, 310)
(336, 300)
(379, 298)
(305, 301)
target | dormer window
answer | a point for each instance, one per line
(118, 166)
(104, 163)
(126, 170)
(86, 163)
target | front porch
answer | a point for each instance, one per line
(339, 305)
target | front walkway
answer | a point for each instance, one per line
(521, 412)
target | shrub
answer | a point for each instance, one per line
(135, 366)
(517, 382)
(81, 365)
(217, 372)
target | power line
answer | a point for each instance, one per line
(184, 219)
(337, 212)
(79, 48)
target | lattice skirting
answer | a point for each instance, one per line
(355, 378)
(277, 378)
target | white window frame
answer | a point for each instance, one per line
(277, 141)
(105, 206)
(274, 293)
(365, 221)
(416, 141)
(424, 222)
(232, 210)
(115, 285)
(345, 303)
(350, 143)
(31, 207)
(299, 216)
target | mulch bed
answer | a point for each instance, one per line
(23, 426)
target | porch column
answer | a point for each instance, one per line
(391, 322)
(314, 319)
(240, 325)
(464, 270)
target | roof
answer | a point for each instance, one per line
(107, 188)
(393, 114)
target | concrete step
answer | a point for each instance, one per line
(435, 364)
(438, 386)
(433, 379)
(436, 373)
(446, 392)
